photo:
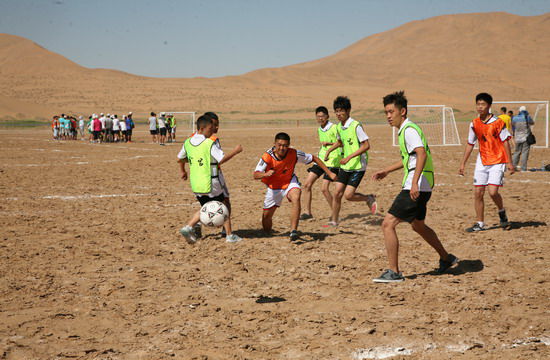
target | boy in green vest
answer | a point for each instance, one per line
(353, 165)
(204, 156)
(327, 137)
(410, 204)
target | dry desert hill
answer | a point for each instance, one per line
(443, 60)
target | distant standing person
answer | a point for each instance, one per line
(55, 127)
(173, 124)
(129, 127)
(418, 181)
(81, 124)
(521, 128)
(161, 121)
(493, 158)
(153, 127)
(123, 129)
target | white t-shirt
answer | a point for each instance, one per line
(102, 120)
(217, 155)
(362, 137)
(116, 126)
(413, 141)
(161, 122)
(152, 123)
(472, 138)
(301, 156)
(123, 125)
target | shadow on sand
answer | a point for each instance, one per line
(463, 267)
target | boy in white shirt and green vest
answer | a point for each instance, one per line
(205, 156)
(353, 164)
(327, 133)
(410, 204)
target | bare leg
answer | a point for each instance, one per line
(267, 218)
(294, 197)
(194, 219)
(390, 241)
(326, 192)
(351, 195)
(478, 202)
(430, 236)
(310, 180)
(497, 199)
(337, 201)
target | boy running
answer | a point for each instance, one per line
(204, 157)
(327, 137)
(410, 204)
(493, 158)
(353, 165)
(276, 170)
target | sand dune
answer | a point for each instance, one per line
(444, 59)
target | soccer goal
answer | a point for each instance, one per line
(538, 111)
(437, 122)
(185, 121)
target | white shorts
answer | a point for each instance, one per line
(489, 174)
(274, 197)
(173, 130)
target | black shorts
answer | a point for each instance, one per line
(129, 132)
(153, 132)
(203, 199)
(407, 209)
(316, 169)
(352, 178)
(162, 131)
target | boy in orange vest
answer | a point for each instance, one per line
(276, 170)
(493, 159)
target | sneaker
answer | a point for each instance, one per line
(197, 229)
(330, 224)
(475, 228)
(503, 219)
(389, 276)
(306, 216)
(232, 238)
(188, 233)
(445, 265)
(371, 202)
(294, 235)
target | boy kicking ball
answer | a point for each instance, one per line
(276, 170)
(410, 204)
(493, 158)
(204, 156)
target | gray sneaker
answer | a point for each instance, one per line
(188, 233)
(197, 229)
(475, 228)
(446, 264)
(232, 238)
(305, 216)
(294, 235)
(389, 276)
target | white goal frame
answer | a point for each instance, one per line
(447, 125)
(531, 102)
(192, 113)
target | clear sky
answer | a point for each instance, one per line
(188, 38)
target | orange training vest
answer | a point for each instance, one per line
(284, 168)
(491, 148)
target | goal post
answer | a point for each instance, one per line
(185, 120)
(437, 122)
(538, 110)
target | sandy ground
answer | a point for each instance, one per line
(93, 266)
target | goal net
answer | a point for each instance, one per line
(185, 121)
(538, 110)
(437, 122)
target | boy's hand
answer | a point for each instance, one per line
(414, 192)
(379, 175)
(332, 175)
(461, 170)
(184, 175)
(344, 161)
(268, 173)
(238, 149)
(511, 168)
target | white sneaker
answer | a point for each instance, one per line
(188, 233)
(232, 238)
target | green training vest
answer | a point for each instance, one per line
(351, 144)
(428, 170)
(330, 137)
(200, 172)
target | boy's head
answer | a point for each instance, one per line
(282, 143)
(215, 120)
(503, 110)
(152, 113)
(205, 126)
(342, 108)
(395, 107)
(510, 113)
(483, 103)
(321, 114)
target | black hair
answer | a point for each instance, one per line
(152, 113)
(212, 115)
(397, 98)
(282, 136)
(342, 102)
(484, 97)
(322, 109)
(203, 120)
(510, 112)
(503, 109)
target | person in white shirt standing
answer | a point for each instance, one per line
(162, 129)
(116, 128)
(153, 127)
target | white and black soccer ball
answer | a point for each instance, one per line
(214, 213)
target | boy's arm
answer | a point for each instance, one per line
(182, 163)
(263, 174)
(229, 156)
(383, 173)
(420, 162)
(337, 144)
(467, 153)
(363, 148)
(324, 167)
(509, 164)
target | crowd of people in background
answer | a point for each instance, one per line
(96, 129)
(162, 128)
(520, 127)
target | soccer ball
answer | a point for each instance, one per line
(214, 213)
